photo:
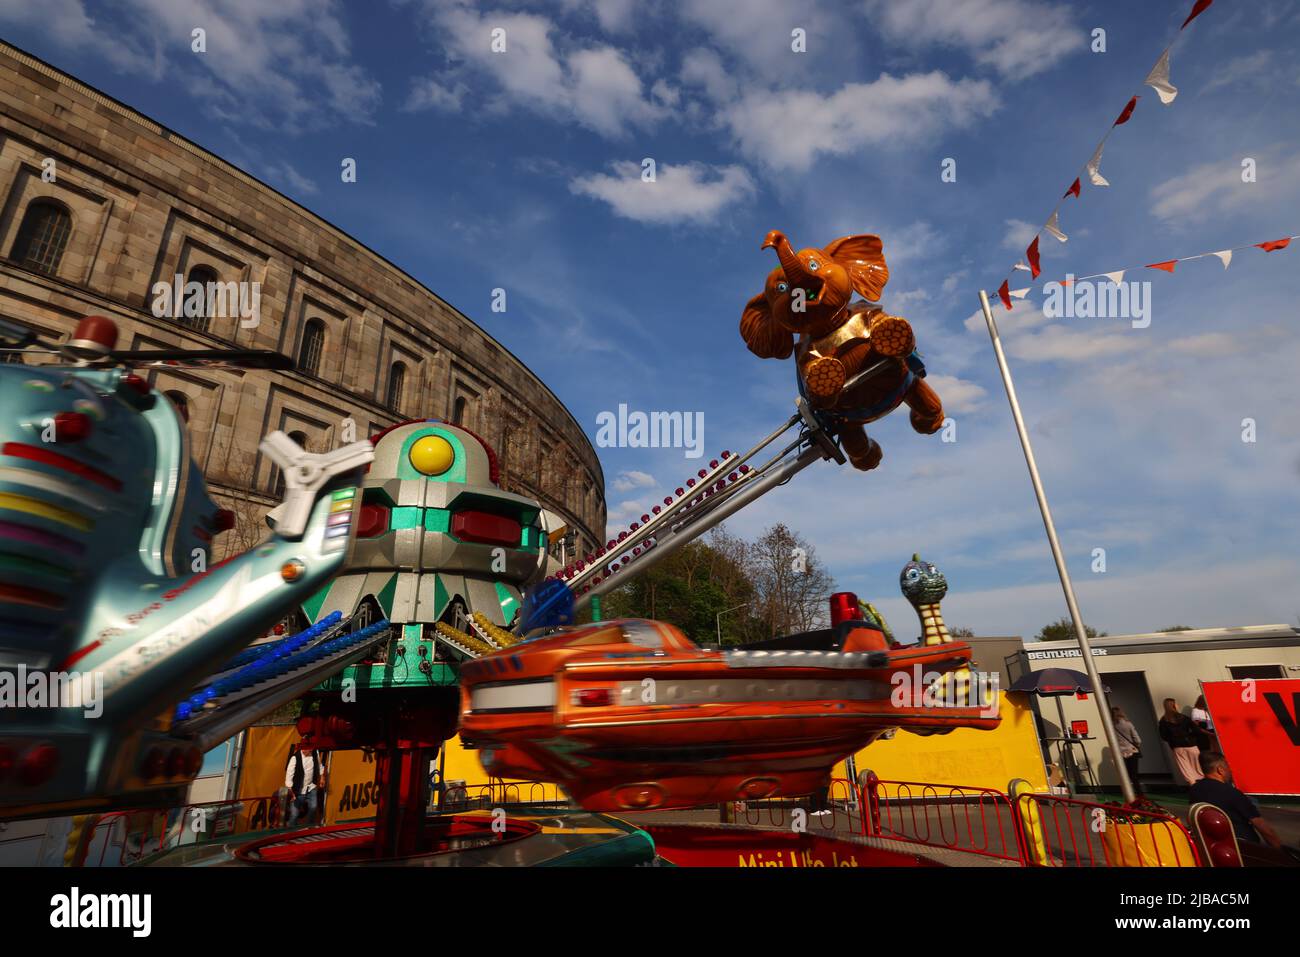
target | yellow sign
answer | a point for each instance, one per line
(352, 791)
(965, 756)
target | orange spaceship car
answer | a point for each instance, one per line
(630, 714)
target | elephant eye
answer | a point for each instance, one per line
(812, 264)
(782, 287)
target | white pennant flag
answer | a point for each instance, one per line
(1158, 80)
(1020, 293)
(1094, 168)
(1225, 257)
(1116, 277)
(1052, 227)
(1022, 267)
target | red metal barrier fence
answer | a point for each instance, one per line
(837, 810)
(462, 797)
(975, 820)
(134, 835)
(1067, 832)
(1034, 829)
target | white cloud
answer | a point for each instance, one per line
(631, 479)
(594, 86)
(1131, 601)
(1089, 340)
(1214, 189)
(1026, 334)
(277, 66)
(605, 92)
(614, 16)
(1025, 314)
(787, 130)
(685, 192)
(702, 67)
(428, 94)
(1254, 69)
(66, 21)
(284, 173)
(1208, 344)
(1018, 38)
(958, 395)
(758, 31)
(1019, 234)
(623, 514)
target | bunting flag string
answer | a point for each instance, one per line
(1158, 79)
(1116, 276)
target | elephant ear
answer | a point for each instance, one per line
(864, 258)
(764, 337)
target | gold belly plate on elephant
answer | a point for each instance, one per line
(855, 328)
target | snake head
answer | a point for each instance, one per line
(922, 583)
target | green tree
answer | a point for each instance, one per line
(791, 583)
(1176, 628)
(747, 590)
(688, 589)
(1063, 630)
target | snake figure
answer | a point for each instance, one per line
(924, 586)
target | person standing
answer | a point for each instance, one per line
(302, 776)
(1130, 745)
(1177, 731)
(1206, 738)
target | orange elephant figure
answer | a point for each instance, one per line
(809, 296)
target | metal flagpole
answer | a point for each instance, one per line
(1085, 649)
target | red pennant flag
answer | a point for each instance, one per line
(1275, 244)
(1004, 293)
(1201, 7)
(1032, 255)
(1073, 190)
(1128, 111)
(1166, 266)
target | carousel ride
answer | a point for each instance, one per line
(414, 576)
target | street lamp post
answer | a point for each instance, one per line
(718, 619)
(1080, 632)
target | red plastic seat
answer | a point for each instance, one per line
(1214, 836)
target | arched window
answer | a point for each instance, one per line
(396, 380)
(201, 275)
(43, 236)
(277, 480)
(458, 411)
(180, 401)
(313, 344)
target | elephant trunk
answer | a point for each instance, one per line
(790, 264)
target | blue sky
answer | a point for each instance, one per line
(520, 170)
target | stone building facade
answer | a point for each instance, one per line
(99, 204)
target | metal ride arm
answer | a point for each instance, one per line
(719, 493)
(304, 475)
(239, 712)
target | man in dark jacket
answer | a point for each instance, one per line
(1253, 832)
